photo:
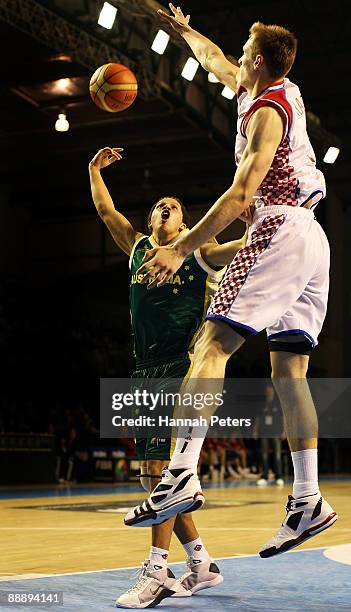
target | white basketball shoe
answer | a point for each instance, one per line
(178, 492)
(153, 585)
(201, 574)
(306, 516)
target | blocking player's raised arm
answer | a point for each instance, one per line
(210, 56)
(119, 227)
(264, 134)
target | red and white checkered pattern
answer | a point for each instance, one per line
(279, 186)
(293, 179)
(243, 263)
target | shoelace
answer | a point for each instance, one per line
(142, 579)
(187, 573)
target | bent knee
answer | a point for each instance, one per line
(218, 340)
(155, 466)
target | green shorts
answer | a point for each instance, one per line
(154, 447)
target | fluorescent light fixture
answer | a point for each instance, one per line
(107, 16)
(62, 124)
(63, 85)
(160, 42)
(190, 69)
(227, 93)
(331, 155)
(212, 78)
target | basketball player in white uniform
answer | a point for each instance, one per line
(278, 281)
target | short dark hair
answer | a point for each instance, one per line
(186, 217)
(277, 45)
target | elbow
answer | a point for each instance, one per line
(207, 60)
(242, 195)
(101, 209)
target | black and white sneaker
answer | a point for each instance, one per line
(306, 516)
(178, 492)
(154, 584)
(201, 574)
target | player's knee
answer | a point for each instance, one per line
(144, 477)
(155, 466)
(151, 472)
(218, 341)
(286, 365)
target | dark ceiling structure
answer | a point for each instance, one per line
(178, 136)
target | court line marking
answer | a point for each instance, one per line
(131, 567)
(141, 529)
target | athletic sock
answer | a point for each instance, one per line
(188, 447)
(305, 472)
(158, 558)
(196, 550)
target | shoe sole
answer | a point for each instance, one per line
(305, 535)
(157, 517)
(162, 595)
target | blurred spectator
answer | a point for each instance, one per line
(271, 421)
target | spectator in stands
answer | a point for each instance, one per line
(270, 431)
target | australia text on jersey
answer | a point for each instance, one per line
(174, 280)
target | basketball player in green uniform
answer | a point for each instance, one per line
(164, 325)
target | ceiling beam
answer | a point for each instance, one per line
(58, 33)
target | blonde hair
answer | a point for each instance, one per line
(277, 45)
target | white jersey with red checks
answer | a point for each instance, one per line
(293, 179)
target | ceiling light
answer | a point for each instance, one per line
(62, 124)
(160, 42)
(331, 155)
(190, 69)
(228, 93)
(107, 16)
(63, 84)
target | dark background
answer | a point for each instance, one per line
(63, 283)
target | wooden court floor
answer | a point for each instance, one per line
(56, 535)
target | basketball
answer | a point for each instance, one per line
(113, 87)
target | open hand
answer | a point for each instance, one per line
(105, 157)
(160, 264)
(178, 22)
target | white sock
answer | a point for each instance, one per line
(188, 447)
(305, 472)
(158, 558)
(196, 549)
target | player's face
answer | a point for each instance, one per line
(246, 63)
(168, 216)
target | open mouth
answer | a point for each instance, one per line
(165, 215)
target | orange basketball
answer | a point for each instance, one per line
(113, 87)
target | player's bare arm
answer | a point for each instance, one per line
(119, 227)
(264, 133)
(210, 56)
(223, 254)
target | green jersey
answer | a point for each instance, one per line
(166, 320)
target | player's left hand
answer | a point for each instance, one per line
(178, 21)
(160, 264)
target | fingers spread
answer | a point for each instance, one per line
(147, 262)
(165, 278)
(148, 254)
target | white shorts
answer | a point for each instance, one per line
(279, 281)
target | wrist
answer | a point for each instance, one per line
(180, 248)
(93, 168)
